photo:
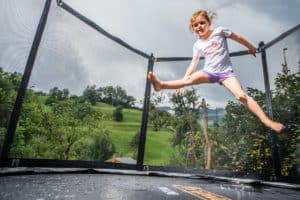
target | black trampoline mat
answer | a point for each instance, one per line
(130, 187)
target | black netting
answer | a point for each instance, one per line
(86, 94)
(18, 27)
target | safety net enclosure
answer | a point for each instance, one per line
(76, 94)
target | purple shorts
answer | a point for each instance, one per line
(218, 77)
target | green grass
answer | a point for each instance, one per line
(42, 99)
(158, 146)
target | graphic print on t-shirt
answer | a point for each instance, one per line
(212, 47)
(215, 51)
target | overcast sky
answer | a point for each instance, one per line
(72, 55)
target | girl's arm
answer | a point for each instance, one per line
(240, 39)
(192, 67)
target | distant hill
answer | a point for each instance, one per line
(214, 114)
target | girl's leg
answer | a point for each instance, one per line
(195, 78)
(234, 86)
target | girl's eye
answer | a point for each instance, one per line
(197, 23)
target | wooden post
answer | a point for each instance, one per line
(207, 146)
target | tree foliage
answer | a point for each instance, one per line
(53, 125)
(187, 109)
(240, 142)
(118, 114)
(159, 118)
(287, 109)
(111, 95)
(59, 125)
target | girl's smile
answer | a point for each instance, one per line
(202, 27)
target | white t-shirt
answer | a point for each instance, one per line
(215, 51)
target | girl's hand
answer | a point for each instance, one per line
(179, 91)
(252, 50)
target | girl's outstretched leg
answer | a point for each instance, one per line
(234, 86)
(195, 78)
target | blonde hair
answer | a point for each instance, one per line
(208, 15)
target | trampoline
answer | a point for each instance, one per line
(53, 183)
(74, 173)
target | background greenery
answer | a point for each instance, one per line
(103, 122)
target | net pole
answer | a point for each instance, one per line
(271, 134)
(143, 131)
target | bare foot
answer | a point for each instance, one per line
(276, 126)
(155, 82)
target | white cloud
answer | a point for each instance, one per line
(73, 55)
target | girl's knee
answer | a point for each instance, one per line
(242, 96)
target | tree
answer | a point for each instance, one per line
(119, 96)
(118, 114)
(52, 127)
(73, 121)
(9, 84)
(115, 96)
(90, 95)
(56, 95)
(157, 117)
(187, 111)
(286, 109)
(244, 142)
(52, 132)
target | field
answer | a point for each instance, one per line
(158, 146)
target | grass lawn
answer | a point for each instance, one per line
(158, 148)
(158, 145)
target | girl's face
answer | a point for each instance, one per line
(201, 26)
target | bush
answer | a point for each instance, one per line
(98, 147)
(118, 114)
(134, 143)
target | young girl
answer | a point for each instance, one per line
(212, 44)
